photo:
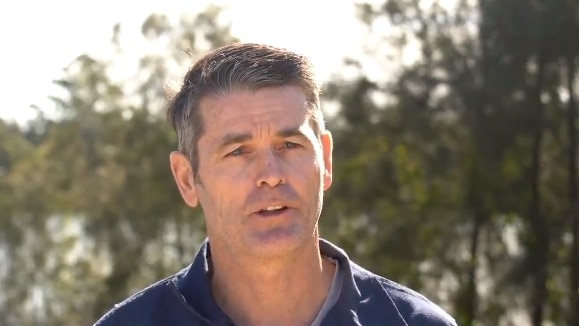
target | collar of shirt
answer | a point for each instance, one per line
(194, 284)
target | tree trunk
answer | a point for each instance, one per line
(472, 294)
(539, 233)
(573, 192)
(467, 306)
(126, 259)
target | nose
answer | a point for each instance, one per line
(270, 171)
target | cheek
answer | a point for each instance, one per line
(309, 169)
(222, 192)
(316, 162)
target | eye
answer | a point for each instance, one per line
(236, 152)
(289, 144)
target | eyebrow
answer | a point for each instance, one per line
(290, 132)
(231, 139)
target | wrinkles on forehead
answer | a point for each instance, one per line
(271, 112)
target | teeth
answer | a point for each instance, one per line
(273, 208)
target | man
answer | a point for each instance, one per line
(254, 153)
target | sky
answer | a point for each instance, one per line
(42, 37)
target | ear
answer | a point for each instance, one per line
(327, 148)
(183, 174)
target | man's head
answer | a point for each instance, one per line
(253, 149)
(243, 66)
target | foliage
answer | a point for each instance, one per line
(456, 175)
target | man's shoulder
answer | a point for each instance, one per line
(413, 307)
(137, 309)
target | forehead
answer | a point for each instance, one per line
(242, 111)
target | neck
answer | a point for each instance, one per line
(291, 289)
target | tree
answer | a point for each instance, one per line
(485, 90)
(92, 194)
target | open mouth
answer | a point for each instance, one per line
(272, 210)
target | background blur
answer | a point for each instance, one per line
(455, 127)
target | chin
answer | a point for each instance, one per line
(276, 242)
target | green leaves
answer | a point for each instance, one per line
(439, 182)
(441, 174)
(89, 209)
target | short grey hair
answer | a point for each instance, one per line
(239, 66)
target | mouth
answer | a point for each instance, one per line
(272, 210)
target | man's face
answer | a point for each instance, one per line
(262, 171)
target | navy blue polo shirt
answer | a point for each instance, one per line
(364, 299)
